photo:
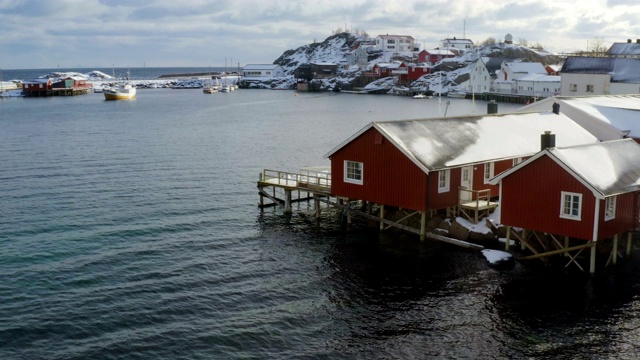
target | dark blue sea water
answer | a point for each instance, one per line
(130, 230)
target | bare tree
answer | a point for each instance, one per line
(489, 41)
(596, 47)
(523, 42)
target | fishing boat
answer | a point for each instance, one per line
(210, 88)
(124, 91)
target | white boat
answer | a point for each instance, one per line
(125, 91)
(225, 88)
(421, 96)
(457, 94)
(210, 88)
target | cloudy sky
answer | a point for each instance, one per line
(136, 33)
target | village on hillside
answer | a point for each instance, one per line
(458, 67)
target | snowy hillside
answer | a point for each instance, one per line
(331, 50)
(445, 76)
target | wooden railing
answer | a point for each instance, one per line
(307, 178)
(470, 197)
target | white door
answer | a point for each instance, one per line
(466, 181)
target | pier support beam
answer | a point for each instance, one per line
(592, 262)
(614, 252)
(566, 245)
(423, 225)
(381, 217)
(287, 201)
(507, 243)
(629, 245)
(316, 205)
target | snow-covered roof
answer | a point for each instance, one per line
(404, 37)
(606, 116)
(621, 69)
(440, 52)
(35, 81)
(494, 64)
(439, 143)
(457, 41)
(624, 49)
(261, 67)
(540, 78)
(617, 170)
(526, 67)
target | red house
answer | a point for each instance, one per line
(581, 194)
(433, 56)
(37, 86)
(443, 163)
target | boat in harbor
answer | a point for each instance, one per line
(124, 91)
(210, 88)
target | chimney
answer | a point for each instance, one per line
(547, 140)
(492, 107)
(628, 41)
(637, 41)
(555, 108)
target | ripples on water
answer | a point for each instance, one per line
(130, 230)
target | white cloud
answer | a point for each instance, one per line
(43, 33)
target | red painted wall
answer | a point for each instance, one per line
(389, 177)
(531, 199)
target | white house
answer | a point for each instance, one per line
(456, 44)
(262, 70)
(484, 72)
(395, 44)
(358, 56)
(600, 76)
(509, 72)
(538, 85)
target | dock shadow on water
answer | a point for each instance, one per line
(388, 295)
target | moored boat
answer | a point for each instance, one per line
(125, 91)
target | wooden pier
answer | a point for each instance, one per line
(283, 189)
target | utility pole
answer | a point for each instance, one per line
(464, 28)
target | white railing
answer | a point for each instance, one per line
(308, 178)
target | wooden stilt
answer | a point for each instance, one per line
(381, 217)
(507, 243)
(287, 201)
(592, 262)
(423, 225)
(316, 205)
(614, 252)
(629, 244)
(566, 245)
(524, 237)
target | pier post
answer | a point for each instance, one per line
(507, 243)
(287, 201)
(566, 245)
(316, 204)
(592, 263)
(348, 205)
(423, 225)
(629, 236)
(614, 252)
(381, 217)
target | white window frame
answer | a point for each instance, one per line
(590, 88)
(573, 87)
(517, 161)
(565, 211)
(488, 172)
(610, 208)
(352, 179)
(444, 181)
